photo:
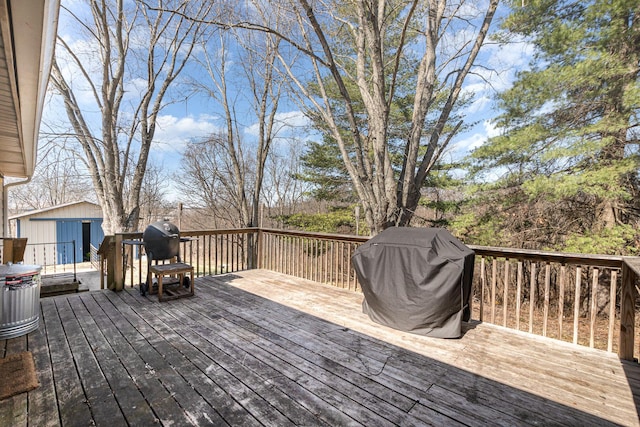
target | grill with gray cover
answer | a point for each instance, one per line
(416, 280)
(161, 241)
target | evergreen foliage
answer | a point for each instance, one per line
(567, 159)
(339, 219)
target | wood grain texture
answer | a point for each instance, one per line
(261, 348)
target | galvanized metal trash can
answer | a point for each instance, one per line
(19, 299)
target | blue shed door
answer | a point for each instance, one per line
(66, 233)
(97, 235)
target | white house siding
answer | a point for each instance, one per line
(40, 228)
(41, 243)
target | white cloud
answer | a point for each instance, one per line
(173, 133)
(506, 60)
(477, 138)
(491, 129)
(515, 54)
(480, 104)
(285, 122)
(135, 87)
(470, 142)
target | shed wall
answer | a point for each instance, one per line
(42, 230)
(41, 244)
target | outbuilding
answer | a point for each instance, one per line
(52, 233)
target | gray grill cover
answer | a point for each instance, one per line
(416, 280)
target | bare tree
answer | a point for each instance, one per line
(368, 44)
(131, 57)
(208, 178)
(58, 179)
(242, 78)
(283, 191)
(153, 203)
(389, 191)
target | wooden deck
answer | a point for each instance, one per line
(260, 348)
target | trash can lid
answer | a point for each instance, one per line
(14, 270)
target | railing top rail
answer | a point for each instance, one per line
(49, 243)
(324, 236)
(138, 234)
(633, 262)
(130, 235)
(614, 261)
(219, 231)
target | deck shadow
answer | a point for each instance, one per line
(435, 385)
(231, 356)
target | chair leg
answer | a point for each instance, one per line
(145, 287)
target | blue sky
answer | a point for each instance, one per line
(194, 117)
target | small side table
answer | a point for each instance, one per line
(174, 291)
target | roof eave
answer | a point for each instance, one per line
(29, 33)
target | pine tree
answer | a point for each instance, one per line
(568, 154)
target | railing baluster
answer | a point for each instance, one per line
(532, 295)
(518, 294)
(292, 247)
(210, 237)
(563, 272)
(594, 306)
(342, 276)
(612, 309)
(576, 305)
(305, 258)
(547, 285)
(283, 254)
(332, 257)
(336, 271)
(289, 256)
(198, 272)
(298, 257)
(216, 253)
(325, 261)
(280, 243)
(235, 252)
(505, 294)
(483, 286)
(494, 279)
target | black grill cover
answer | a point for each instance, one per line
(416, 280)
(161, 240)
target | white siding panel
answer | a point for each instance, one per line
(41, 244)
(82, 210)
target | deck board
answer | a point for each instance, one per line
(260, 348)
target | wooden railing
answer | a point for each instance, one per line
(583, 299)
(220, 251)
(324, 258)
(209, 251)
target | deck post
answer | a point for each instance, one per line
(627, 309)
(118, 267)
(258, 252)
